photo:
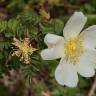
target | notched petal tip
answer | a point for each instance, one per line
(46, 54)
(63, 83)
(42, 54)
(66, 74)
(50, 54)
(74, 25)
(52, 39)
(79, 13)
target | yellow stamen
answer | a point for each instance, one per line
(74, 49)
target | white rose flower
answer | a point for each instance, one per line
(76, 50)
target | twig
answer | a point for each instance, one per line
(93, 88)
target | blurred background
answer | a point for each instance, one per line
(39, 17)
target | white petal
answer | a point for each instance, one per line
(52, 39)
(53, 53)
(86, 65)
(74, 25)
(66, 74)
(90, 37)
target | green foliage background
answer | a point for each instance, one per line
(37, 78)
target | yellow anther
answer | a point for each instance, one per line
(74, 49)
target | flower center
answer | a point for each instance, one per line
(74, 49)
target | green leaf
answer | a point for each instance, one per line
(58, 26)
(12, 24)
(47, 27)
(3, 25)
